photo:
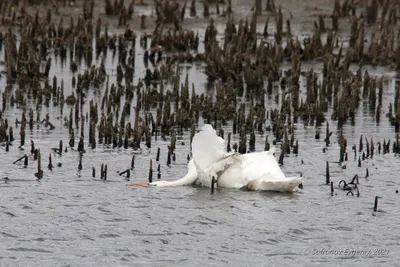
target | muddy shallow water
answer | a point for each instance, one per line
(71, 219)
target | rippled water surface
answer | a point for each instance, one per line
(71, 219)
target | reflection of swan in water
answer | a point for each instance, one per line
(254, 171)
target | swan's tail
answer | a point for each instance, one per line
(265, 183)
(209, 154)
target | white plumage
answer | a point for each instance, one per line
(256, 171)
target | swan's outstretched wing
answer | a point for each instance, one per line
(207, 147)
(209, 154)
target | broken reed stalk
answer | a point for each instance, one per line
(39, 173)
(105, 172)
(213, 181)
(50, 166)
(376, 203)
(133, 162)
(60, 147)
(151, 172)
(328, 179)
(158, 154)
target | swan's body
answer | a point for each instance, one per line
(256, 171)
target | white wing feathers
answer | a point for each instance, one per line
(209, 154)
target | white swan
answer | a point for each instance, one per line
(256, 171)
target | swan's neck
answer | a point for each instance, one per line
(187, 180)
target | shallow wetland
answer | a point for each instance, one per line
(125, 83)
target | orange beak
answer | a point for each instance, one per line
(137, 184)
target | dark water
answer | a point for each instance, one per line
(70, 219)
